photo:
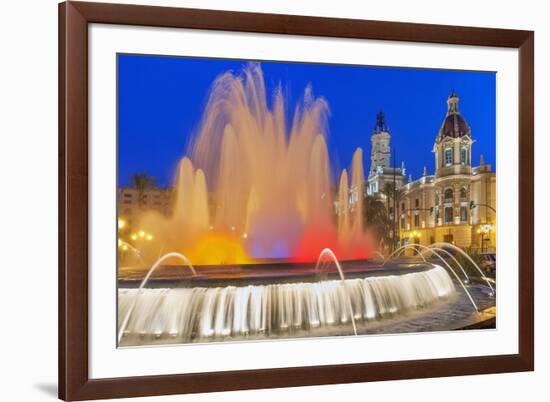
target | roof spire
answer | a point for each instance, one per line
(452, 103)
(380, 123)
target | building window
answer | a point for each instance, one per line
(448, 214)
(463, 155)
(448, 238)
(448, 195)
(402, 223)
(463, 194)
(402, 206)
(436, 199)
(448, 156)
(463, 214)
(417, 203)
(417, 220)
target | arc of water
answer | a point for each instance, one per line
(400, 250)
(379, 254)
(421, 254)
(444, 262)
(330, 253)
(439, 250)
(161, 249)
(462, 252)
(144, 281)
(135, 250)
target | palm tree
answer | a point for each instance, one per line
(141, 182)
(376, 218)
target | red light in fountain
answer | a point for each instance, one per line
(317, 238)
(313, 241)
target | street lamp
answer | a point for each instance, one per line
(414, 235)
(486, 229)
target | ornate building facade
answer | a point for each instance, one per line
(457, 204)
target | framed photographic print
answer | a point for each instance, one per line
(256, 200)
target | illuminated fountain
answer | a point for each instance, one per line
(257, 193)
(260, 190)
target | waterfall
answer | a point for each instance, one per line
(232, 312)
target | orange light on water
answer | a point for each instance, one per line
(218, 249)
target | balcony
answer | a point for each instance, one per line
(454, 169)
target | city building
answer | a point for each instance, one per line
(457, 204)
(132, 200)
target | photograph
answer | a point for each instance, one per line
(262, 200)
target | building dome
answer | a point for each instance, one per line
(454, 125)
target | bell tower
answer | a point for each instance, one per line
(380, 150)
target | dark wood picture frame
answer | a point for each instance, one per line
(74, 382)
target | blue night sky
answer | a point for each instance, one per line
(161, 100)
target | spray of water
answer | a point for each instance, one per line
(463, 253)
(327, 252)
(162, 259)
(419, 246)
(262, 185)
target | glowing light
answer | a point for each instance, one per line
(141, 233)
(149, 237)
(119, 242)
(133, 236)
(121, 223)
(218, 249)
(124, 247)
(245, 235)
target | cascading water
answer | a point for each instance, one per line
(234, 312)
